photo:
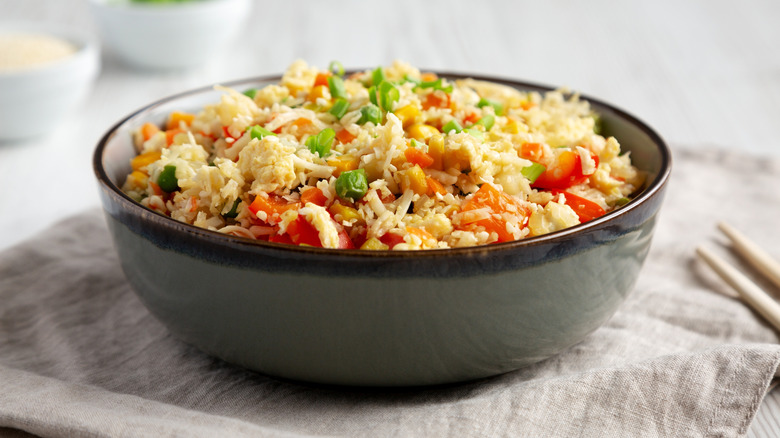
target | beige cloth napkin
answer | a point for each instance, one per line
(80, 355)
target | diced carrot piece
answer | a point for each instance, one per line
(176, 117)
(170, 134)
(315, 196)
(418, 157)
(434, 186)
(420, 232)
(497, 203)
(322, 78)
(436, 99)
(527, 105)
(305, 126)
(156, 189)
(471, 118)
(344, 136)
(272, 206)
(531, 151)
(148, 130)
(428, 77)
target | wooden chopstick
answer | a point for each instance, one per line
(753, 253)
(748, 291)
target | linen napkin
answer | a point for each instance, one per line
(81, 356)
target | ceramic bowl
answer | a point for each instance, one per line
(169, 35)
(34, 99)
(380, 318)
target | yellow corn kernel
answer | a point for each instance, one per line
(137, 179)
(511, 127)
(407, 114)
(346, 212)
(141, 161)
(374, 244)
(320, 91)
(414, 178)
(436, 151)
(422, 132)
(457, 159)
(343, 163)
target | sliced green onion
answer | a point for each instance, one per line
(476, 133)
(167, 179)
(336, 67)
(497, 107)
(370, 113)
(419, 145)
(452, 125)
(533, 171)
(233, 210)
(259, 132)
(336, 87)
(352, 184)
(622, 201)
(372, 95)
(388, 95)
(488, 120)
(321, 143)
(378, 76)
(438, 84)
(251, 93)
(339, 108)
(415, 81)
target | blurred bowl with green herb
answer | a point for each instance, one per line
(169, 34)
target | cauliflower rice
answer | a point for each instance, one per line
(390, 158)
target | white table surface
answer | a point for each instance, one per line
(702, 73)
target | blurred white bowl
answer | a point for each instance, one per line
(169, 35)
(34, 98)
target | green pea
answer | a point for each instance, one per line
(167, 180)
(352, 184)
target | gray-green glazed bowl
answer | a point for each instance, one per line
(380, 318)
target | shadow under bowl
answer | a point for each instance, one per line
(380, 318)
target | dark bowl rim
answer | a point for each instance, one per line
(648, 192)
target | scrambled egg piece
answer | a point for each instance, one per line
(269, 162)
(553, 217)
